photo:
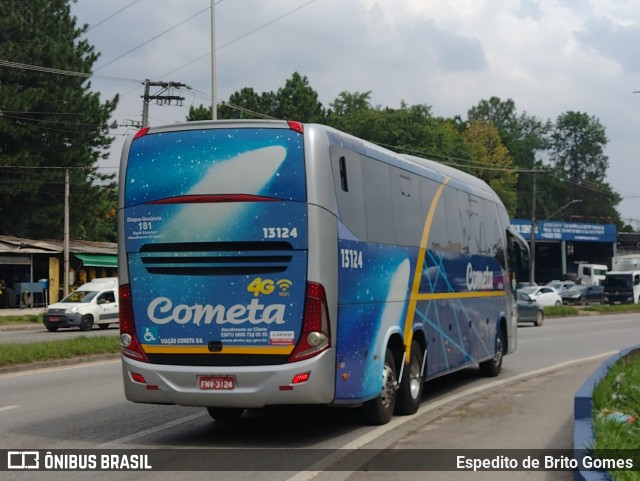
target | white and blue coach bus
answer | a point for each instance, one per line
(279, 263)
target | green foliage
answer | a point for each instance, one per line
(577, 153)
(615, 397)
(526, 139)
(29, 319)
(12, 354)
(491, 161)
(496, 143)
(50, 123)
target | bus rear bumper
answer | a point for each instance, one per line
(254, 386)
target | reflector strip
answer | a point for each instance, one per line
(212, 198)
(154, 349)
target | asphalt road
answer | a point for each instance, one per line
(530, 406)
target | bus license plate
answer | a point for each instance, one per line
(216, 383)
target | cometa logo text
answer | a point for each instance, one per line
(162, 311)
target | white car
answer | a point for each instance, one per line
(561, 286)
(95, 302)
(543, 295)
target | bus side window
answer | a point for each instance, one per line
(438, 238)
(376, 183)
(347, 178)
(406, 207)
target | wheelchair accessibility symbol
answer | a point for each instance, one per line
(150, 334)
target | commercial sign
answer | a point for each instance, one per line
(566, 231)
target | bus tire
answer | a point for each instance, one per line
(379, 411)
(493, 366)
(412, 383)
(225, 415)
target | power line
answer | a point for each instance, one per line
(112, 15)
(57, 71)
(150, 40)
(207, 54)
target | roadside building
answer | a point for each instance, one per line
(561, 246)
(32, 270)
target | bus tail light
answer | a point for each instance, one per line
(128, 338)
(315, 336)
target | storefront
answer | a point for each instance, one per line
(561, 246)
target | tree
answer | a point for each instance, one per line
(526, 138)
(50, 123)
(577, 147)
(295, 101)
(298, 101)
(577, 153)
(491, 162)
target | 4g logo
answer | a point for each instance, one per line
(268, 286)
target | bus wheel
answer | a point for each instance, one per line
(492, 367)
(225, 415)
(412, 384)
(379, 411)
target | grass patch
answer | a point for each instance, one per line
(560, 311)
(30, 319)
(20, 353)
(567, 311)
(616, 410)
(606, 309)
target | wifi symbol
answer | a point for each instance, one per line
(284, 284)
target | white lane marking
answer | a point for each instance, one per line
(431, 406)
(154, 429)
(8, 408)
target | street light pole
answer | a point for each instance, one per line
(532, 271)
(574, 201)
(214, 99)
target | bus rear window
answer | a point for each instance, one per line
(259, 162)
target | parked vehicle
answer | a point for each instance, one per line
(529, 310)
(561, 285)
(591, 274)
(628, 262)
(543, 295)
(583, 295)
(622, 287)
(95, 302)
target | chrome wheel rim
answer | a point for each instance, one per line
(388, 386)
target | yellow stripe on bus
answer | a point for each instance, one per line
(155, 349)
(436, 296)
(417, 277)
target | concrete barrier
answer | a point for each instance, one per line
(583, 431)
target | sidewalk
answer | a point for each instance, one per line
(28, 311)
(531, 414)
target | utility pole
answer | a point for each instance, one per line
(163, 96)
(532, 272)
(214, 99)
(66, 232)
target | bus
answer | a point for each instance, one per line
(278, 263)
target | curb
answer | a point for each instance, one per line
(583, 431)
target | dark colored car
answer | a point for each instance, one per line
(529, 310)
(582, 295)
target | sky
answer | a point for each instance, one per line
(548, 56)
